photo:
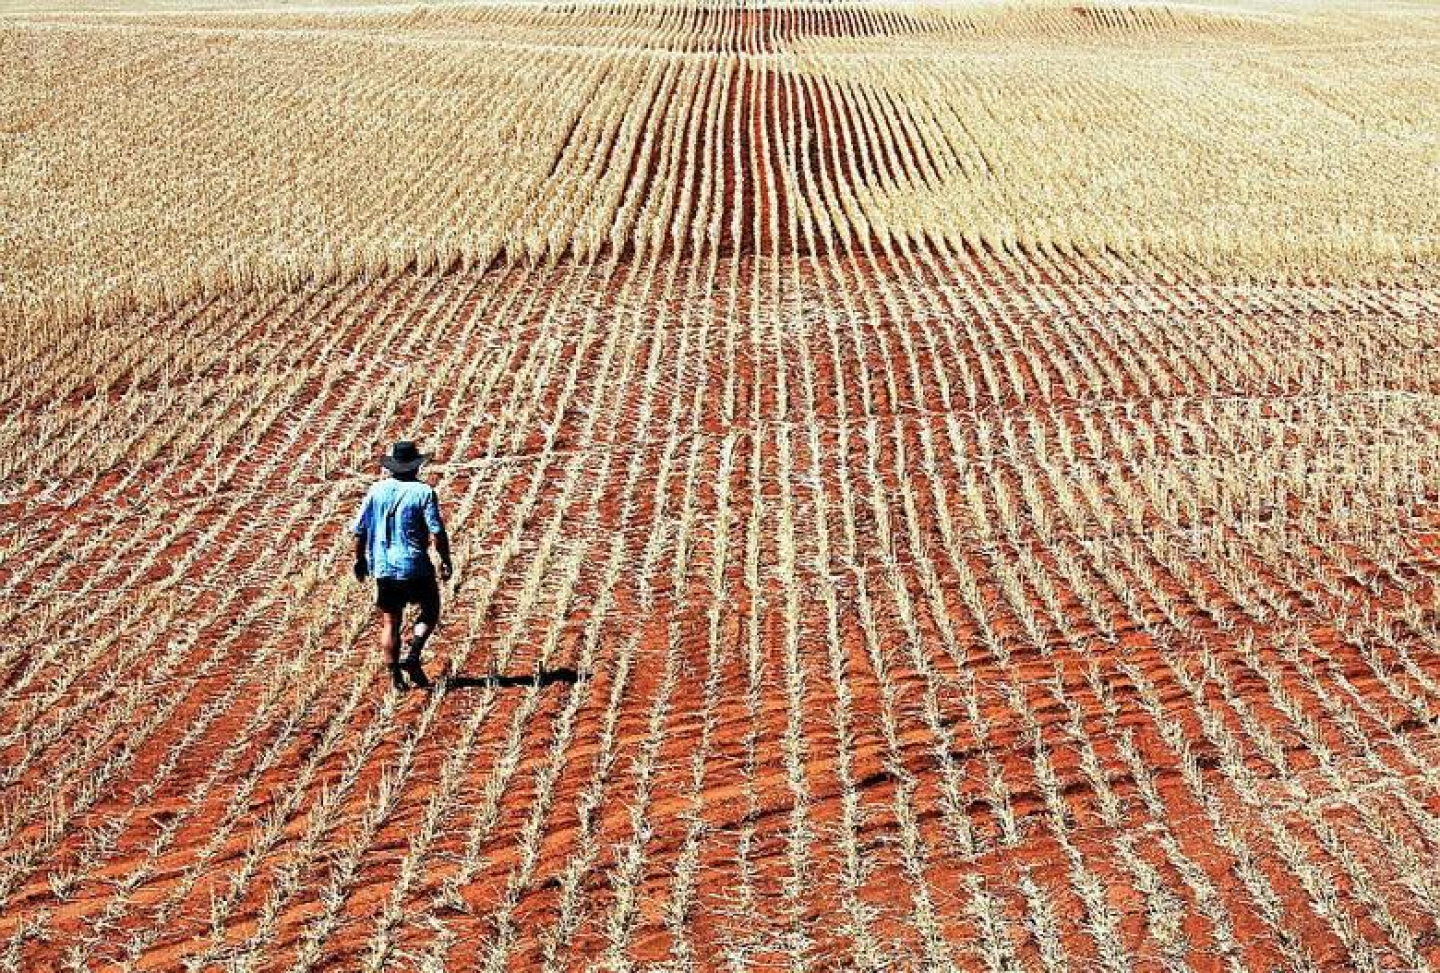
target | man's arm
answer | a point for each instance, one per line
(442, 547)
(361, 529)
(436, 524)
(362, 565)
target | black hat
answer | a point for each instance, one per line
(404, 458)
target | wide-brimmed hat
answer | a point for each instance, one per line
(404, 458)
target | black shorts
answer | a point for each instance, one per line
(393, 594)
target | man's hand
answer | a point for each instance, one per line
(446, 570)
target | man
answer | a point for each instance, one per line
(398, 519)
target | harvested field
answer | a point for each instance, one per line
(876, 548)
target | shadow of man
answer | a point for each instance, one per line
(541, 679)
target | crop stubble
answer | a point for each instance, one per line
(937, 596)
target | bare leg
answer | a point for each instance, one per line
(424, 625)
(421, 633)
(390, 645)
(390, 635)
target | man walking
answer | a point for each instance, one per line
(393, 530)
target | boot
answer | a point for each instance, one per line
(412, 666)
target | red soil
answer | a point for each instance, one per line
(656, 499)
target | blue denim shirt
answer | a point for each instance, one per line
(397, 521)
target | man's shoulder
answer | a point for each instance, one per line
(408, 489)
(414, 491)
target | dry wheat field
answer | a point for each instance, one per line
(936, 487)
